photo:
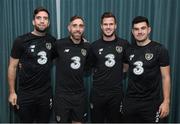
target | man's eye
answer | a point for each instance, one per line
(45, 18)
(81, 26)
(143, 28)
(38, 17)
(74, 25)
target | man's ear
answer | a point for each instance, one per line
(101, 26)
(132, 32)
(33, 22)
(48, 22)
(115, 26)
(149, 29)
(68, 28)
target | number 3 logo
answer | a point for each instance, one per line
(43, 58)
(110, 62)
(138, 70)
(76, 62)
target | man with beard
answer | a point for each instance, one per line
(148, 93)
(107, 58)
(31, 60)
(70, 98)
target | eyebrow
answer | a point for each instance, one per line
(78, 24)
(140, 27)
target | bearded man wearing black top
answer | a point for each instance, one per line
(31, 61)
(70, 96)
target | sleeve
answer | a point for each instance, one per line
(17, 48)
(163, 56)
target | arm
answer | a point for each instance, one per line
(125, 70)
(13, 63)
(164, 107)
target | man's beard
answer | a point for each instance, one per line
(75, 38)
(41, 30)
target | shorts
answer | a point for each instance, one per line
(34, 108)
(106, 108)
(140, 111)
(70, 107)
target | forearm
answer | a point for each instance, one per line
(125, 68)
(166, 89)
(11, 78)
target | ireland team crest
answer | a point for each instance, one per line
(48, 46)
(83, 51)
(119, 49)
(148, 56)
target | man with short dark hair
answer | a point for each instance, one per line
(107, 63)
(147, 100)
(31, 58)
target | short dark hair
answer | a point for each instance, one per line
(76, 17)
(39, 9)
(139, 19)
(107, 15)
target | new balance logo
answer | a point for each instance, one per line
(32, 48)
(100, 50)
(66, 50)
(131, 57)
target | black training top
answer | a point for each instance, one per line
(107, 58)
(35, 54)
(144, 70)
(70, 65)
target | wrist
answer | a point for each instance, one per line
(167, 101)
(12, 91)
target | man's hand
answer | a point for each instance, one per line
(164, 109)
(13, 99)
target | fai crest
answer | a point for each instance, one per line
(148, 56)
(48, 46)
(119, 49)
(84, 52)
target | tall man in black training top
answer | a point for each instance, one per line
(107, 56)
(35, 52)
